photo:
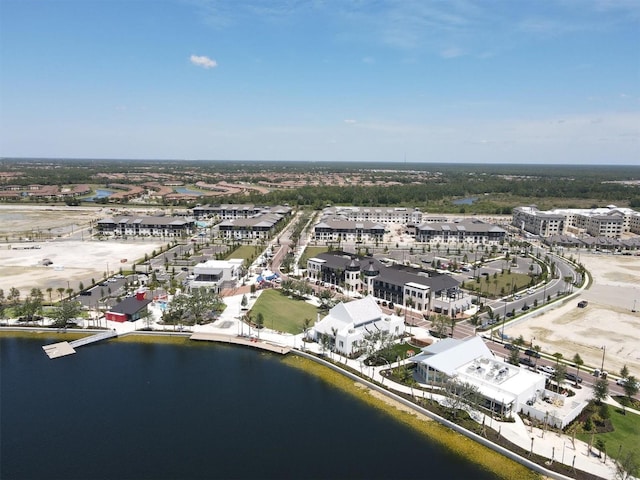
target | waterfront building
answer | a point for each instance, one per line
(347, 324)
(504, 388)
(130, 309)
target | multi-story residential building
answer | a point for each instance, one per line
(348, 230)
(234, 211)
(145, 226)
(258, 227)
(467, 232)
(610, 221)
(401, 215)
(530, 219)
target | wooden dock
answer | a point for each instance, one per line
(245, 341)
(62, 349)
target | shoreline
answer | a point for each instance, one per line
(457, 443)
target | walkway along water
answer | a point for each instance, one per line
(605, 470)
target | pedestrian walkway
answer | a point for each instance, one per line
(554, 446)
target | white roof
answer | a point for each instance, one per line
(360, 314)
(448, 355)
(471, 361)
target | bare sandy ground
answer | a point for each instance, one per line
(74, 260)
(606, 326)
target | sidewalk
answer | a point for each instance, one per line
(556, 447)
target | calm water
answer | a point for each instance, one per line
(99, 194)
(135, 411)
(187, 191)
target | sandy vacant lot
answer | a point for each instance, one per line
(73, 262)
(606, 322)
(75, 258)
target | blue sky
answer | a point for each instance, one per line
(342, 80)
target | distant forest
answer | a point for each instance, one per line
(497, 187)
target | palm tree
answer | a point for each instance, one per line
(49, 290)
(60, 291)
(578, 362)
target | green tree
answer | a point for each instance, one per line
(32, 304)
(259, 322)
(514, 356)
(624, 371)
(14, 296)
(627, 466)
(200, 301)
(559, 375)
(66, 310)
(630, 387)
(600, 390)
(439, 325)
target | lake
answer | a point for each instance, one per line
(141, 410)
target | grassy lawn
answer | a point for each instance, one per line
(246, 252)
(282, 313)
(310, 252)
(518, 280)
(626, 433)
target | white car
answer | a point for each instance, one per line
(547, 369)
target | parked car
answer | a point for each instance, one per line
(573, 377)
(526, 361)
(547, 369)
(582, 304)
(622, 381)
(531, 353)
(510, 346)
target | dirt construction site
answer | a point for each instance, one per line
(606, 326)
(62, 255)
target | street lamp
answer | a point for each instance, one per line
(604, 350)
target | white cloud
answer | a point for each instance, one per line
(350, 121)
(203, 61)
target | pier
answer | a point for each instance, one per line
(62, 349)
(245, 341)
